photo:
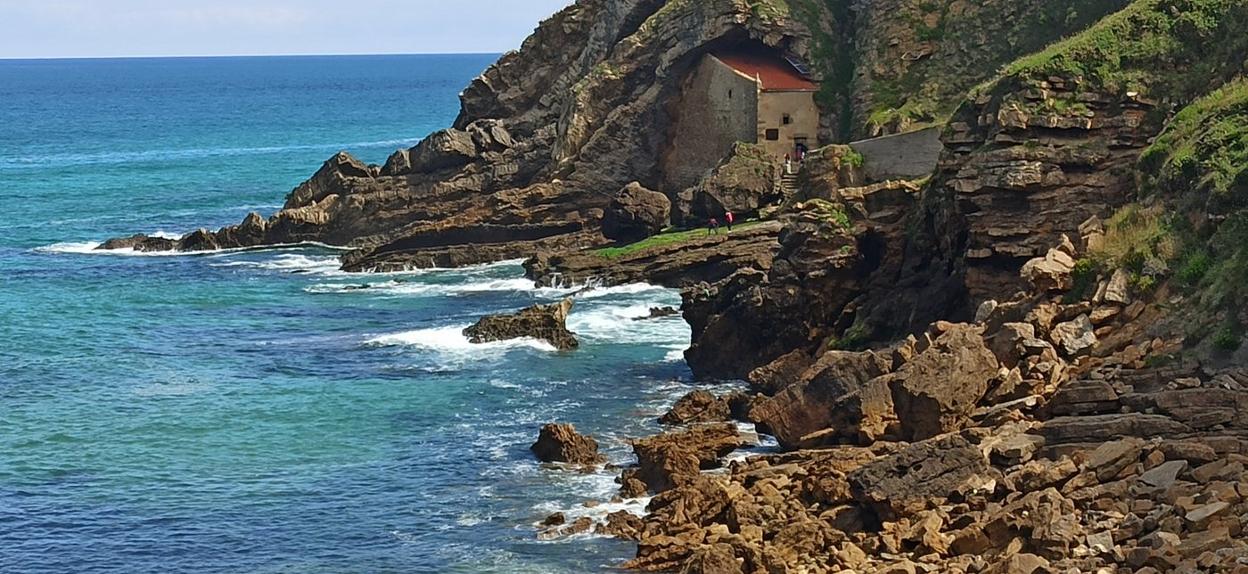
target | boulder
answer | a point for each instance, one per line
(698, 407)
(544, 322)
(443, 149)
(1007, 342)
(714, 559)
(920, 476)
(1074, 337)
(936, 391)
(744, 182)
(669, 459)
(834, 393)
(635, 214)
(1110, 458)
(561, 443)
(1118, 290)
(621, 524)
(1051, 272)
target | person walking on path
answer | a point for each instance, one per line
(788, 164)
(713, 227)
(729, 218)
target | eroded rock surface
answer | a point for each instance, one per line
(636, 213)
(543, 322)
(561, 443)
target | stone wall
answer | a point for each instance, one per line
(903, 156)
(803, 121)
(718, 107)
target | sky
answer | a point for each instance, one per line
(119, 28)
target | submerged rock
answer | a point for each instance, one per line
(544, 322)
(659, 313)
(140, 242)
(561, 443)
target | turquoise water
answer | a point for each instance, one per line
(259, 411)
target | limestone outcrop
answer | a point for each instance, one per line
(547, 323)
(674, 458)
(636, 213)
(1001, 453)
(698, 257)
(544, 138)
(746, 181)
(561, 443)
(698, 407)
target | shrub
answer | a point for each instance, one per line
(1227, 339)
(1194, 268)
(1084, 279)
(1136, 237)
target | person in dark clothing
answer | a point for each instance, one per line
(729, 218)
(713, 226)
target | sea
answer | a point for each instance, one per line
(261, 411)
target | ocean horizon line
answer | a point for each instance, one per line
(240, 56)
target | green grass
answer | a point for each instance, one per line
(1203, 154)
(972, 43)
(1135, 237)
(668, 238)
(1164, 48)
(1197, 172)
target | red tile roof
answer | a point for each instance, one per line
(775, 73)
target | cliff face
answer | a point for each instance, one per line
(550, 132)
(1055, 141)
(545, 137)
(1029, 157)
(1089, 419)
(916, 60)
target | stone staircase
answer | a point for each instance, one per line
(789, 184)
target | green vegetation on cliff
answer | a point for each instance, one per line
(670, 237)
(926, 54)
(1167, 49)
(1198, 170)
(1203, 154)
(1191, 223)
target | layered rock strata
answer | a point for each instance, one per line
(547, 323)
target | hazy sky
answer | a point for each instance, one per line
(105, 28)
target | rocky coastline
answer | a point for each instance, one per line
(1030, 361)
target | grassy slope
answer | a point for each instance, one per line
(670, 237)
(972, 47)
(1190, 226)
(1197, 173)
(1173, 50)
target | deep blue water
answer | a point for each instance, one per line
(250, 412)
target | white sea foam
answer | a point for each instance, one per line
(599, 487)
(624, 324)
(291, 263)
(676, 354)
(92, 248)
(418, 288)
(625, 290)
(452, 348)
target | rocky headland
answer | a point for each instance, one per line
(1028, 361)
